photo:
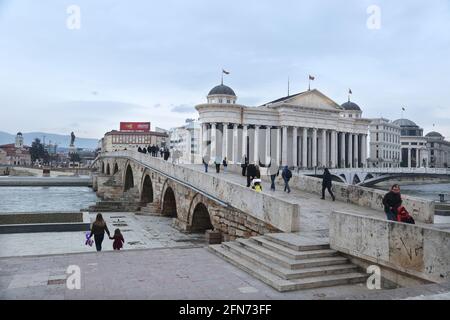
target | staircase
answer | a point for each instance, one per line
(289, 262)
(150, 209)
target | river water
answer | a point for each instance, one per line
(37, 199)
(425, 191)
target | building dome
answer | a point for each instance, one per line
(19, 133)
(434, 134)
(222, 90)
(405, 123)
(350, 106)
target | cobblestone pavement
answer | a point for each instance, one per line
(140, 232)
(192, 273)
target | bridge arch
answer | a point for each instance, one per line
(356, 179)
(103, 167)
(108, 169)
(147, 190)
(201, 220)
(169, 204)
(129, 179)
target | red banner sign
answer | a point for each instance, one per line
(135, 126)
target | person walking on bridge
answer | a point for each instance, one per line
(392, 201)
(286, 174)
(326, 184)
(252, 173)
(98, 230)
(274, 171)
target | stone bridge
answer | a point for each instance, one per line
(368, 177)
(196, 201)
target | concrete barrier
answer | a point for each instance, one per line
(419, 251)
(279, 213)
(422, 210)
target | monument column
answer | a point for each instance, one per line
(343, 164)
(364, 150)
(204, 144)
(256, 146)
(333, 149)
(350, 150)
(314, 148)
(305, 148)
(235, 144)
(284, 153)
(213, 142)
(278, 146)
(244, 142)
(294, 146)
(225, 141)
(356, 151)
(324, 148)
(409, 157)
(267, 156)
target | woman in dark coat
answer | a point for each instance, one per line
(98, 230)
(326, 184)
(392, 201)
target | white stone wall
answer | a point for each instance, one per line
(415, 250)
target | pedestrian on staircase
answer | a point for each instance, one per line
(326, 184)
(98, 230)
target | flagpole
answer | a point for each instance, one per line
(288, 87)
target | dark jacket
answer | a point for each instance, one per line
(99, 230)
(286, 174)
(251, 170)
(326, 181)
(392, 200)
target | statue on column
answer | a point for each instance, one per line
(72, 139)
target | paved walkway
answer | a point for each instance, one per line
(193, 273)
(140, 232)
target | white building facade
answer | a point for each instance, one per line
(414, 152)
(305, 130)
(186, 140)
(385, 146)
(438, 149)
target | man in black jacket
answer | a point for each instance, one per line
(251, 173)
(326, 184)
(392, 201)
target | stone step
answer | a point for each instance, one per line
(283, 284)
(290, 253)
(307, 262)
(286, 273)
(297, 242)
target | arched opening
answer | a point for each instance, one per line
(129, 180)
(116, 168)
(356, 179)
(147, 190)
(103, 167)
(369, 176)
(108, 170)
(200, 219)
(169, 208)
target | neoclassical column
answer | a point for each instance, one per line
(294, 146)
(409, 157)
(235, 144)
(244, 142)
(256, 146)
(267, 155)
(204, 144)
(225, 141)
(343, 164)
(350, 150)
(364, 150)
(333, 149)
(314, 148)
(278, 146)
(324, 148)
(356, 151)
(418, 158)
(305, 148)
(284, 152)
(213, 141)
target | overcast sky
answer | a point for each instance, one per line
(155, 60)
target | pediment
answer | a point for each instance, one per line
(313, 99)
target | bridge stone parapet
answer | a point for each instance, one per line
(422, 210)
(195, 200)
(415, 250)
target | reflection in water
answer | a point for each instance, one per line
(36, 199)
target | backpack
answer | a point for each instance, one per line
(288, 174)
(404, 216)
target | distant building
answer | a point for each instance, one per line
(186, 140)
(438, 149)
(131, 140)
(385, 144)
(15, 153)
(414, 152)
